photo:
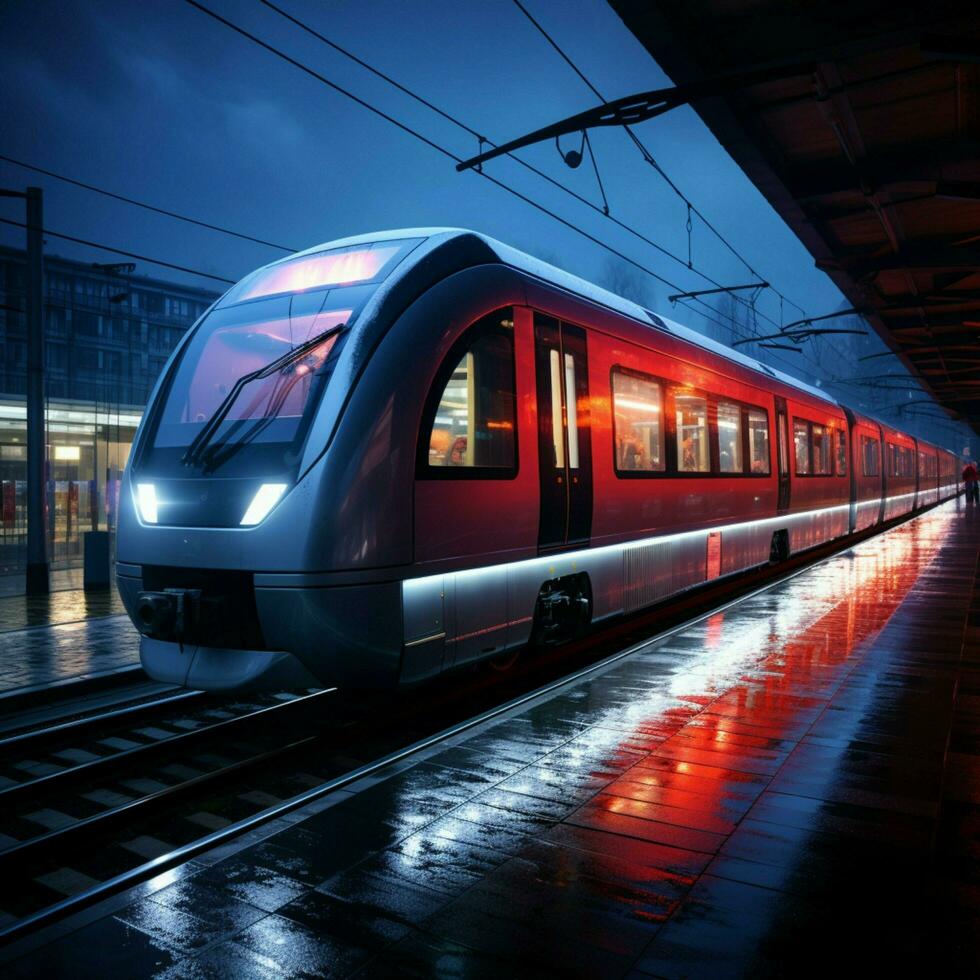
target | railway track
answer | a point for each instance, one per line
(236, 773)
(25, 710)
(85, 780)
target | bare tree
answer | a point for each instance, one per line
(626, 281)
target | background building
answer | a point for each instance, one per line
(108, 333)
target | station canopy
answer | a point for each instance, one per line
(860, 124)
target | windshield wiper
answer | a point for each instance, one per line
(196, 450)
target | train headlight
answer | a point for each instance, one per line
(146, 498)
(264, 500)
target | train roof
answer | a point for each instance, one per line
(517, 259)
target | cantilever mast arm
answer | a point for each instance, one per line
(631, 109)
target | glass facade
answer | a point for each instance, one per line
(108, 334)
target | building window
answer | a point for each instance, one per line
(758, 422)
(474, 424)
(692, 434)
(729, 437)
(801, 446)
(638, 417)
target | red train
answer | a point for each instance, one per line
(483, 450)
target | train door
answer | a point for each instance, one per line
(852, 465)
(918, 463)
(782, 454)
(564, 437)
(882, 455)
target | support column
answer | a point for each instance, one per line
(37, 552)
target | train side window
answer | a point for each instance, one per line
(869, 456)
(801, 445)
(841, 452)
(692, 433)
(638, 419)
(820, 437)
(729, 437)
(758, 424)
(473, 427)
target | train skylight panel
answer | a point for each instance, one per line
(316, 271)
(264, 500)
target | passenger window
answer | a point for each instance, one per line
(475, 419)
(869, 456)
(638, 421)
(801, 445)
(820, 435)
(692, 434)
(841, 452)
(729, 437)
(758, 441)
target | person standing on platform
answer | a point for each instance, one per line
(970, 479)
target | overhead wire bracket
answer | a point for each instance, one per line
(595, 166)
(674, 297)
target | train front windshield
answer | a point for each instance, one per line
(242, 396)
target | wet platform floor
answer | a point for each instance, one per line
(788, 787)
(62, 637)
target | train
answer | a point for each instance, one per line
(397, 454)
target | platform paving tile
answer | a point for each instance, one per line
(423, 955)
(61, 605)
(108, 947)
(746, 798)
(45, 654)
(295, 950)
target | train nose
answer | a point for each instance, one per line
(167, 614)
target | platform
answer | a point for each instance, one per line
(786, 787)
(62, 636)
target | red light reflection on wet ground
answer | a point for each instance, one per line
(757, 741)
(754, 795)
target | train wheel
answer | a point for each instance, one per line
(563, 610)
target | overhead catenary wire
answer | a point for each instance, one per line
(247, 237)
(452, 156)
(143, 204)
(456, 121)
(646, 154)
(119, 251)
(750, 305)
(603, 210)
(313, 73)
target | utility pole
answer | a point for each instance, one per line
(37, 548)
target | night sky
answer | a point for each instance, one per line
(157, 101)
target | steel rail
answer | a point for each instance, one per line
(19, 699)
(56, 780)
(38, 736)
(15, 857)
